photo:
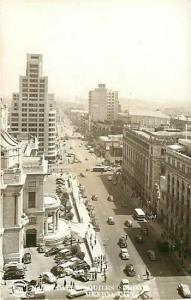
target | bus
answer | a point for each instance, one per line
(139, 215)
(98, 169)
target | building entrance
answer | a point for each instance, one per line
(31, 238)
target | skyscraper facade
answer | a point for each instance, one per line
(103, 104)
(33, 110)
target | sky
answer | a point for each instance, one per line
(138, 47)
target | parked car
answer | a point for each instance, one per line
(64, 253)
(94, 197)
(122, 242)
(123, 285)
(26, 258)
(129, 270)
(14, 266)
(69, 241)
(139, 239)
(48, 277)
(81, 265)
(128, 223)
(151, 254)
(110, 221)
(184, 290)
(52, 251)
(78, 291)
(124, 253)
(58, 271)
(40, 249)
(17, 273)
(81, 275)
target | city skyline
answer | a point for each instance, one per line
(139, 48)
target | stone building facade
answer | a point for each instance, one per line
(177, 216)
(144, 162)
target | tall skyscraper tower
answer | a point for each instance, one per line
(33, 110)
(103, 104)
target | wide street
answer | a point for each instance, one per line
(165, 274)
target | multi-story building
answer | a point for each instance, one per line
(145, 118)
(29, 216)
(181, 122)
(144, 161)
(103, 104)
(110, 147)
(177, 216)
(33, 110)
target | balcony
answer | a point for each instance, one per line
(14, 176)
(35, 165)
(51, 202)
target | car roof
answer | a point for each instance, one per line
(64, 265)
(125, 281)
(124, 250)
(184, 285)
(64, 251)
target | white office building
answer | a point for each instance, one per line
(33, 109)
(103, 104)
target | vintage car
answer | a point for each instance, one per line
(129, 270)
(122, 242)
(184, 290)
(110, 221)
(26, 258)
(124, 253)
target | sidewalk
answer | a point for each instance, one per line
(91, 237)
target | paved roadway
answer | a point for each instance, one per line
(165, 274)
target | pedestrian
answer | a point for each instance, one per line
(126, 236)
(95, 242)
(147, 274)
(95, 274)
(55, 285)
(65, 283)
(92, 246)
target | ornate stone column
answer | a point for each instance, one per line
(54, 222)
(57, 219)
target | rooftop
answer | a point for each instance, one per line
(183, 118)
(111, 138)
(183, 148)
(145, 113)
(34, 165)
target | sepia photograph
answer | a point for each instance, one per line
(95, 166)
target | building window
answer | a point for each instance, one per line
(32, 184)
(163, 151)
(31, 199)
(32, 220)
